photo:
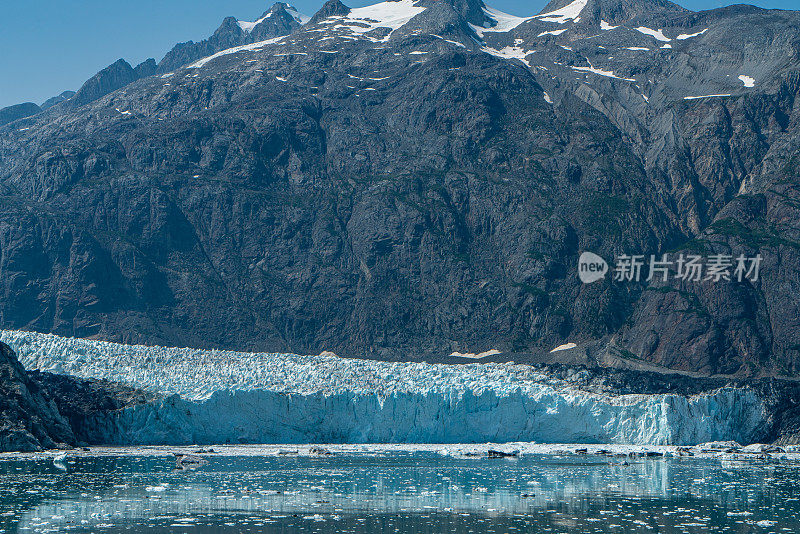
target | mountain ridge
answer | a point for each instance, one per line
(399, 181)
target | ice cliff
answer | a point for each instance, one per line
(214, 396)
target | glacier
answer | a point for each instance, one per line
(217, 397)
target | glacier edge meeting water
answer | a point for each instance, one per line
(213, 397)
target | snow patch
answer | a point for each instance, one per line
(684, 36)
(565, 346)
(552, 32)
(392, 15)
(605, 26)
(658, 34)
(601, 72)
(244, 48)
(549, 101)
(748, 81)
(509, 52)
(569, 12)
(706, 96)
(503, 22)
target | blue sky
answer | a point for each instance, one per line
(47, 46)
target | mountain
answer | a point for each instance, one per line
(50, 102)
(412, 179)
(115, 76)
(18, 111)
(281, 19)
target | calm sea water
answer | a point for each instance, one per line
(400, 492)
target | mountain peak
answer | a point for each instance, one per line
(331, 8)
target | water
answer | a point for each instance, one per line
(399, 492)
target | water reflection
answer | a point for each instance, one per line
(404, 492)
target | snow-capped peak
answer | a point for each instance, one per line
(296, 15)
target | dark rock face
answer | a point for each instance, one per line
(408, 193)
(88, 404)
(111, 78)
(29, 420)
(45, 411)
(18, 111)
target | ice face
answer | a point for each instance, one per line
(231, 397)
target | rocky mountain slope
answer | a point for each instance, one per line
(420, 177)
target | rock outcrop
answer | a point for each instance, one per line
(29, 419)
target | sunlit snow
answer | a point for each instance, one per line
(683, 36)
(706, 96)
(249, 26)
(552, 32)
(748, 81)
(503, 22)
(253, 46)
(658, 34)
(601, 72)
(569, 12)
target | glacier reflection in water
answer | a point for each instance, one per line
(399, 492)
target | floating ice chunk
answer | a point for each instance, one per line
(569, 12)
(684, 36)
(658, 34)
(473, 356)
(565, 346)
(747, 80)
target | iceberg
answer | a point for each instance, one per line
(215, 397)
